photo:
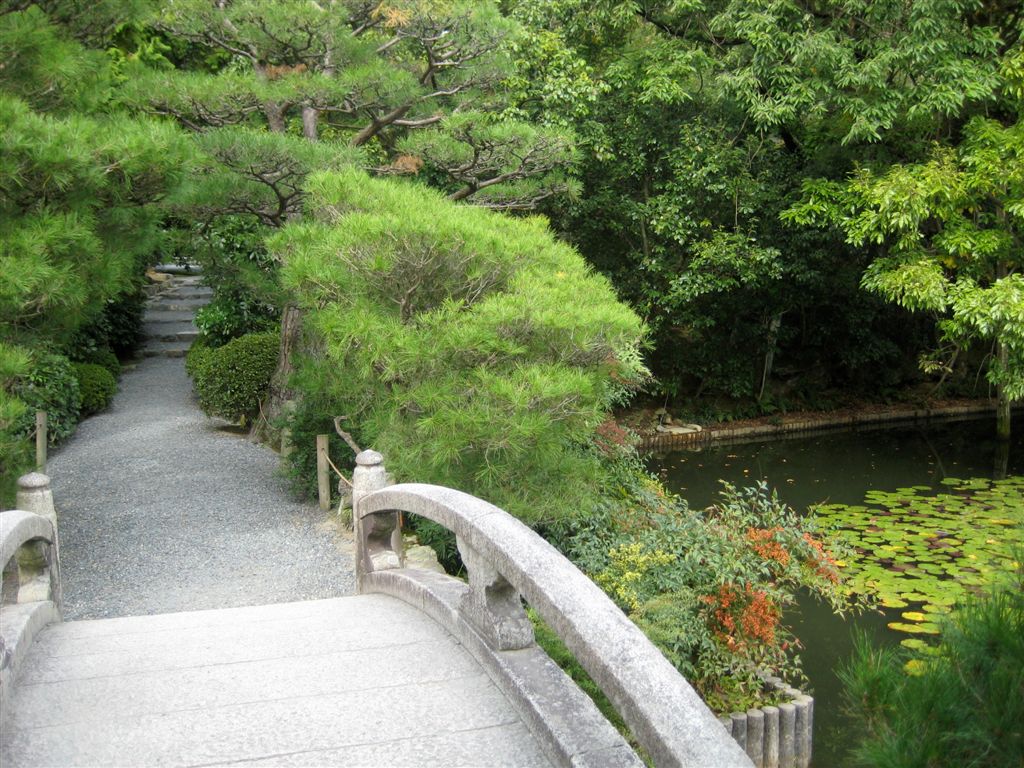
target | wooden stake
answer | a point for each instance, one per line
(323, 480)
(41, 441)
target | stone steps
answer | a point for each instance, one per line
(166, 348)
(173, 333)
(169, 326)
(177, 305)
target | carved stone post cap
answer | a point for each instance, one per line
(33, 481)
(369, 459)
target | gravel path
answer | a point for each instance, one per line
(161, 511)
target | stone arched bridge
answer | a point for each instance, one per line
(417, 669)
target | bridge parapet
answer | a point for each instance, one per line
(506, 560)
(31, 593)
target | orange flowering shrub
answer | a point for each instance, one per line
(764, 543)
(710, 588)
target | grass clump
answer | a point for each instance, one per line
(961, 706)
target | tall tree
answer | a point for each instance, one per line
(710, 115)
(950, 235)
(81, 191)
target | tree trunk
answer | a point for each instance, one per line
(1003, 411)
(281, 392)
(1001, 460)
(769, 357)
(310, 118)
(275, 116)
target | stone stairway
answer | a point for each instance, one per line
(170, 325)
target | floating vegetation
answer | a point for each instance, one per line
(921, 552)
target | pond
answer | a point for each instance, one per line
(845, 468)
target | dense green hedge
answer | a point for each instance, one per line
(97, 387)
(231, 380)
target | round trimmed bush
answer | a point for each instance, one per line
(97, 386)
(106, 358)
(231, 380)
(197, 356)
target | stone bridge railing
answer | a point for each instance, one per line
(31, 593)
(506, 562)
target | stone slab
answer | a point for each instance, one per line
(348, 681)
(166, 303)
(504, 746)
(169, 317)
(166, 349)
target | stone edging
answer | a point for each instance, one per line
(801, 426)
(775, 737)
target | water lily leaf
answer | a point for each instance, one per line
(912, 629)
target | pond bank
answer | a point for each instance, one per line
(803, 423)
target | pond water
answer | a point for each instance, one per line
(841, 468)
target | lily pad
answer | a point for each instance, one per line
(913, 629)
(919, 548)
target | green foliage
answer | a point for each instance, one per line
(15, 452)
(494, 162)
(48, 384)
(950, 228)
(471, 349)
(708, 588)
(231, 380)
(96, 385)
(105, 358)
(698, 122)
(308, 417)
(116, 330)
(960, 705)
(224, 319)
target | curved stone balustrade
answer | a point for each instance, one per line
(31, 588)
(506, 559)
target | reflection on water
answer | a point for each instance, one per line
(841, 467)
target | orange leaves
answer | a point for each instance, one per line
(764, 543)
(822, 563)
(744, 617)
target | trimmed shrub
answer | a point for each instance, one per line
(196, 356)
(97, 387)
(49, 385)
(106, 358)
(235, 314)
(231, 380)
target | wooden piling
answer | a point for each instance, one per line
(323, 480)
(41, 441)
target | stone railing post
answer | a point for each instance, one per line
(378, 538)
(493, 606)
(34, 495)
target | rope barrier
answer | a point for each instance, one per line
(338, 472)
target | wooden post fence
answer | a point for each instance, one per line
(323, 480)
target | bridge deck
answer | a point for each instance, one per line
(357, 681)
